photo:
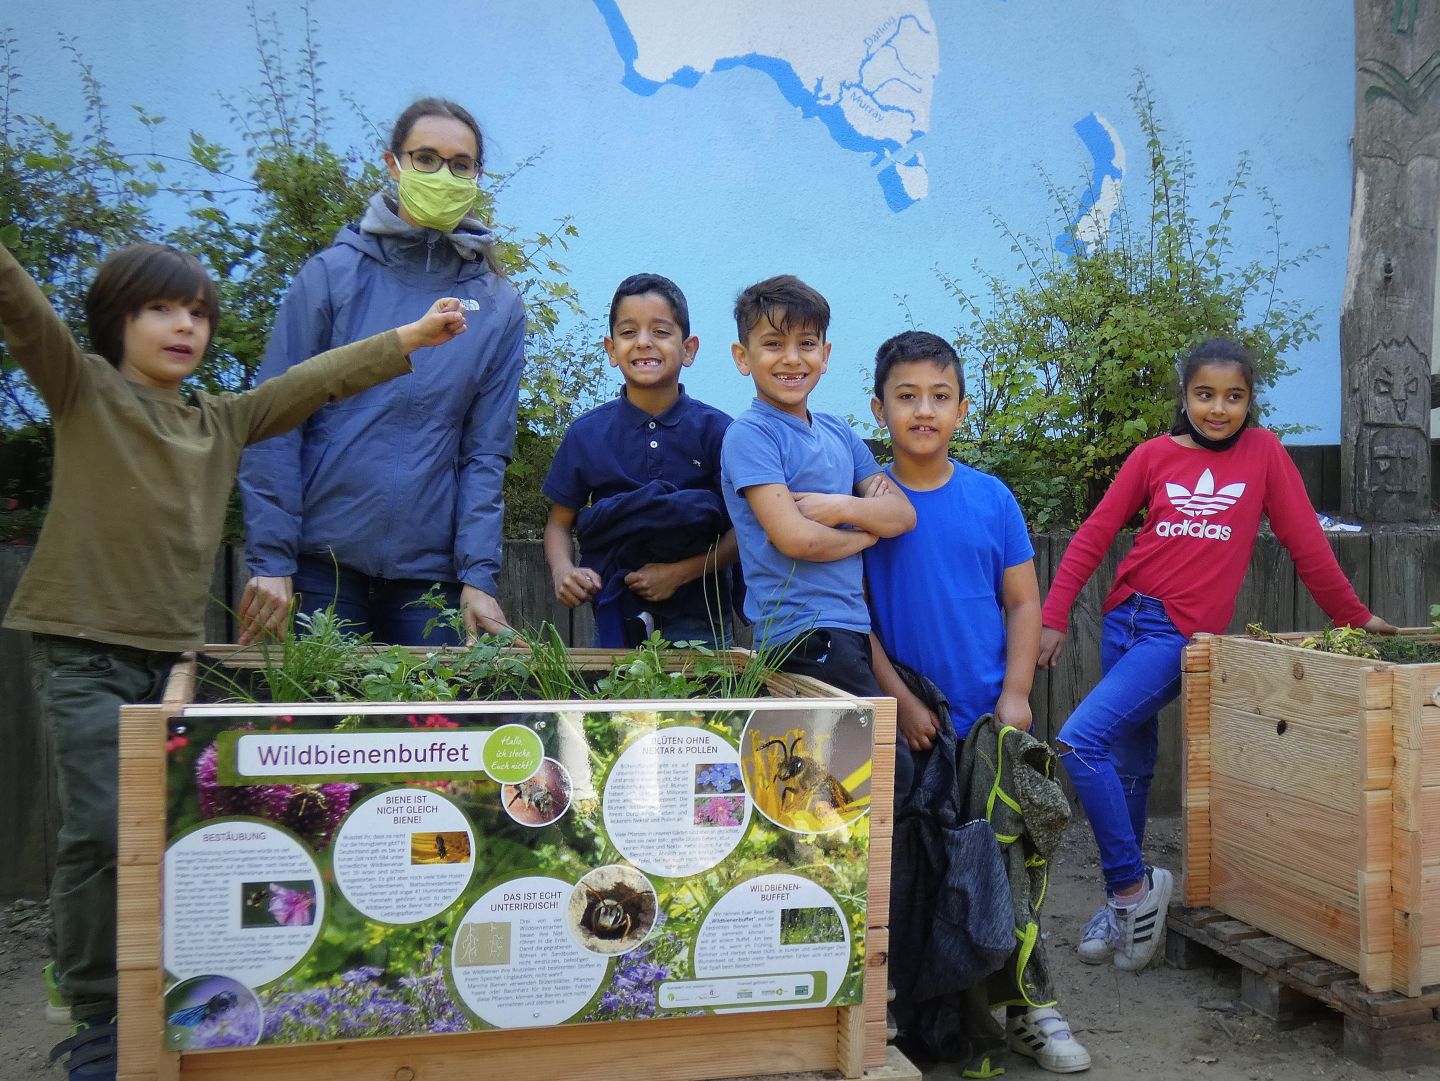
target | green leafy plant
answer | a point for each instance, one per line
(1074, 365)
(1356, 642)
(256, 207)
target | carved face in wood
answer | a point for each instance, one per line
(1392, 385)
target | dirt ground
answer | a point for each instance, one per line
(1159, 1025)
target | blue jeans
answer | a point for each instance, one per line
(81, 686)
(1109, 743)
(383, 607)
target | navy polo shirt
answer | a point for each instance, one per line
(618, 447)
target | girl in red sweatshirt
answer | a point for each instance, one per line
(1204, 488)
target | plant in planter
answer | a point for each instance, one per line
(376, 971)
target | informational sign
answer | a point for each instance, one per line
(394, 871)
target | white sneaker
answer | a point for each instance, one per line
(1097, 940)
(1142, 925)
(1045, 1036)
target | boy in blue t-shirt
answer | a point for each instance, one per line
(969, 558)
(638, 479)
(805, 494)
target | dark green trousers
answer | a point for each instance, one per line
(81, 686)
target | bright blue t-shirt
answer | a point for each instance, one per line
(935, 592)
(785, 597)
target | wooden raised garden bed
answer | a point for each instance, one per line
(849, 1039)
(1312, 801)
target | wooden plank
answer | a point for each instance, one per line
(1391, 1048)
(525, 593)
(850, 1042)
(1429, 910)
(1291, 833)
(1267, 594)
(1275, 952)
(1313, 760)
(879, 1056)
(1288, 683)
(1406, 953)
(1043, 724)
(877, 965)
(1398, 588)
(1419, 815)
(1195, 770)
(679, 1049)
(1291, 905)
(1352, 552)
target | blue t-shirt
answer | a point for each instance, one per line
(935, 592)
(785, 597)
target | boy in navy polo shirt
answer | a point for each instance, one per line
(806, 495)
(638, 480)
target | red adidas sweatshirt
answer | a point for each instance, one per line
(1204, 511)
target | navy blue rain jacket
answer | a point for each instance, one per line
(403, 480)
(655, 523)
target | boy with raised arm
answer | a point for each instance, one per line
(120, 576)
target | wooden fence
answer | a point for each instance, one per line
(1396, 570)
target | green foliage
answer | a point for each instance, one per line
(254, 215)
(1357, 642)
(1074, 365)
(65, 201)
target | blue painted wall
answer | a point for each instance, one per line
(738, 164)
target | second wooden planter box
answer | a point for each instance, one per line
(1312, 802)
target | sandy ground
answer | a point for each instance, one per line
(1161, 1024)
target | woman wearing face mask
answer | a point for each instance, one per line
(377, 498)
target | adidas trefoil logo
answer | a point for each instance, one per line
(1201, 503)
(1204, 500)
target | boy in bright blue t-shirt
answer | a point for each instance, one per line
(805, 494)
(956, 599)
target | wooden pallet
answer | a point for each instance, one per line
(1291, 986)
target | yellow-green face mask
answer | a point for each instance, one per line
(436, 200)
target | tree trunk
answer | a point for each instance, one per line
(1387, 316)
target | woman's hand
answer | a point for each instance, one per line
(481, 612)
(1052, 642)
(265, 608)
(444, 320)
(1379, 626)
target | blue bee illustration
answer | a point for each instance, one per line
(213, 1007)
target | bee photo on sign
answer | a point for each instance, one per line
(541, 799)
(809, 771)
(612, 909)
(448, 847)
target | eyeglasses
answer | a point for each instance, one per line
(427, 161)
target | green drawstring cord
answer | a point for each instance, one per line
(1031, 934)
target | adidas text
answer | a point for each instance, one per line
(1193, 528)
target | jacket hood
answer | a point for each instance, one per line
(386, 237)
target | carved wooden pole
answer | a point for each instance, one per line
(1387, 316)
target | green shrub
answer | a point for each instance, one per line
(1072, 366)
(254, 217)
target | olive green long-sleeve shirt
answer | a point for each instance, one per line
(142, 476)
